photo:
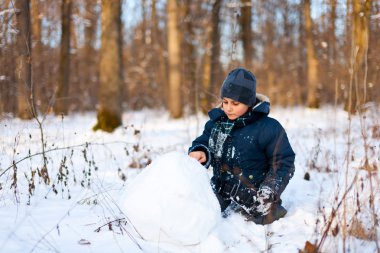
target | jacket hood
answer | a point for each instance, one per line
(262, 104)
(261, 108)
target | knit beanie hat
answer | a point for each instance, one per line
(240, 85)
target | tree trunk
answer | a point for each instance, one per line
(37, 62)
(144, 26)
(204, 97)
(301, 55)
(289, 54)
(175, 105)
(272, 89)
(159, 62)
(215, 52)
(189, 59)
(61, 103)
(270, 52)
(312, 63)
(89, 67)
(211, 64)
(361, 11)
(246, 33)
(332, 34)
(23, 70)
(3, 60)
(110, 67)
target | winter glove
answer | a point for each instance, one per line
(264, 201)
(233, 189)
(277, 211)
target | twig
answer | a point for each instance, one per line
(108, 224)
(62, 148)
(333, 214)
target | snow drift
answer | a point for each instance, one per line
(171, 201)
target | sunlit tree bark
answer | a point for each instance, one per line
(89, 76)
(159, 62)
(23, 69)
(246, 32)
(110, 67)
(361, 11)
(332, 32)
(312, 63)
(301, 55)
(37, 47)
(189, 59)
(211, 65)
(215, 51)
(7, 102)
(270, 52)
(289, 55)
(61, 103)
(175, 104)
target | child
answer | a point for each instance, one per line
(249, 152)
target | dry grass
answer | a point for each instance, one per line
(358, 230)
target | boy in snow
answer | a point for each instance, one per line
(249, 152)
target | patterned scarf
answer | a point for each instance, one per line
(221, 131)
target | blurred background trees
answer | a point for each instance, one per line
(22, 56)
(110, 67)
(175, 54)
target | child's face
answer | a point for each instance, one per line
(233, 109)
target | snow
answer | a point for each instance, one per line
(94, 175)
(172, 201)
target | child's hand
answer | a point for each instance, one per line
(200, 156)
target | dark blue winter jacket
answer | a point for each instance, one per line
(258, 146)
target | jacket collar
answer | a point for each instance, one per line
(262, 104)
(261, 108)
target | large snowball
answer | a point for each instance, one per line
(171, 201)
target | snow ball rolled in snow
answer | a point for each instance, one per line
(171, 201)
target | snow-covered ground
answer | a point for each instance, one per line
(81, 208)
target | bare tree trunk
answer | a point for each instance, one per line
(5, 88)
(175, 105)
(332, 33)
(2, 86)
(23, 70)
(270, 52)
(110, 67)
(37, 63)
(273, 93)
(360, 30)
(189, 59)
(211, 64)
(361, 11)
(159, 62)
(246, 33)
(301, 56)
(144, 23)
(374, 49)
(61, 103)
(312, 63)
(89, 82)
(289, 54)
(204, 97)
(215, 51)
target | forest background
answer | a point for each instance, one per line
(111, 56)
(117, 57)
